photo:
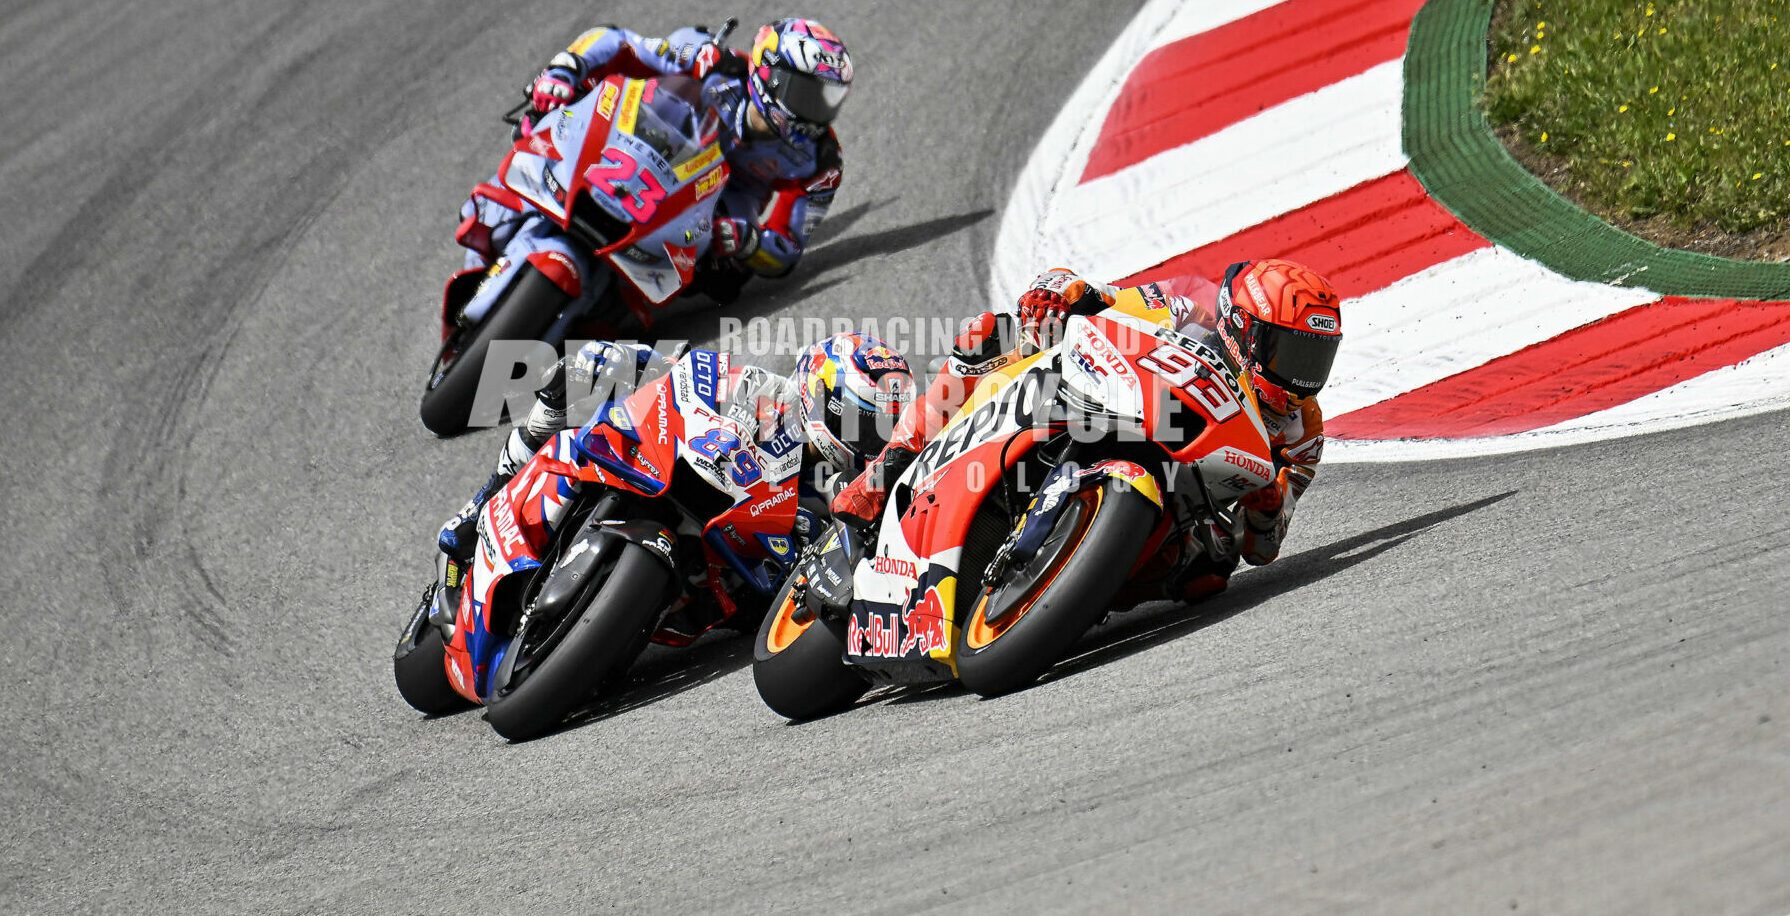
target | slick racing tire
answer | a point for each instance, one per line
(524, 312)
(420, 667)
(800, 668)
(1039, 609)
(610, 630)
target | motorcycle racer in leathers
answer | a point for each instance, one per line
(1277, 321)
(775, 105)
(846, 393)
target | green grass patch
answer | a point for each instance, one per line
(1668, 110)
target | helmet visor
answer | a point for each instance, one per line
(808, 97)
(1298, 361)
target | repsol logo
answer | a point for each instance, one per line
(1014, 406)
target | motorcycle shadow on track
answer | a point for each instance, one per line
(1147, 630)
(819, 270)
(1138, 631)
(661, 673)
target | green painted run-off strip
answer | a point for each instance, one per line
(1464, 166)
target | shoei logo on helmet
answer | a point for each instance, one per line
(1325, 324)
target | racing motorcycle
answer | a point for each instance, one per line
(665, 508)
(630, 173)
(1064, 487)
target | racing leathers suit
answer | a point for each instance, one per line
(778, 190)
(990, 341)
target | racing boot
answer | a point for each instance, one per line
(861, 501)
(460, 534)
(1205, 575)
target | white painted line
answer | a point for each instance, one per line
(1454, 316)
(1217, 186)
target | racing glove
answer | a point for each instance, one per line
(703, 62)
(550, 90)
(1046, 306)
(733, 238)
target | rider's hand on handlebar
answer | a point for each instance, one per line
(733, 238)
(550, 90)
(1042, 313)
(704, 61)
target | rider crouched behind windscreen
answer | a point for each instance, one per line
(776, 105)
(841, 401)
(1277, 321)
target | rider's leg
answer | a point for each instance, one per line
(1204, 574)
(459, 534)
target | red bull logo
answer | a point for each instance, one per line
(925, 624)
(879, 638)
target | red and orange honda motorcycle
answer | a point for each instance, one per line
(1069, 483)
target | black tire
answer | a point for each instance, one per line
(1081, 567)
(805, 677)
(524, 312)
(610, 631)
(420, 667)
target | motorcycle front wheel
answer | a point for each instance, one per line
(610, 630)
(800, 668)
(1024, 623)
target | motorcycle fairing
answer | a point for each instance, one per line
(678, 419)
(517, 522)
(1129, 363)
(594, 150)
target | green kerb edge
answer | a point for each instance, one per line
(1463, 165)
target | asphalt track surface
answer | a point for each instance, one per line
(1551, 682)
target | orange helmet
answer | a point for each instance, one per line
(1282, 323)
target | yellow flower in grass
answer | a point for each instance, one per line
(1511, 59)
(1533, 49)
(1621, 108)
(1653, 91)
(1671, 137)
(1758, 175)
(1544, 136)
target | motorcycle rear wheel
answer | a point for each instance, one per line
(524, 312)
(1040, 609)
(419, 666)
(799, 668)
(611, 629)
